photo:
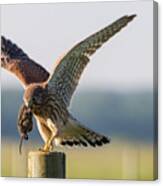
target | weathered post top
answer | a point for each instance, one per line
(46, 164)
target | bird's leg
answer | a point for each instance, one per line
(49, 144)
(54, 132)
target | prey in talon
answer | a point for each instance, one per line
(25, 124)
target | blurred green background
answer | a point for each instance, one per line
(127, 117)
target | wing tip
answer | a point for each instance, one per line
(131, 17)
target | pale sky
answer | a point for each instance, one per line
(46, 31)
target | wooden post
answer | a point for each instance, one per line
(46, 164)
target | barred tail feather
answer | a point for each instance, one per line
(74, 134)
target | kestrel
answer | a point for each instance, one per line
(48, 97)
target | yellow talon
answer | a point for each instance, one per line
(47, 147)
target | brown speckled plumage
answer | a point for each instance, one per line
(48, 97)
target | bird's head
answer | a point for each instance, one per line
(34, 95)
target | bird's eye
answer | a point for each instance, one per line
(34, 99)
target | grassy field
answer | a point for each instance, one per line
(119, 160)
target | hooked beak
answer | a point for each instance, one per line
(28, 103)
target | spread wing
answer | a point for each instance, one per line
(17, 62)
(68, 71)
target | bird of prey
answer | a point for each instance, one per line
(47, 96)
